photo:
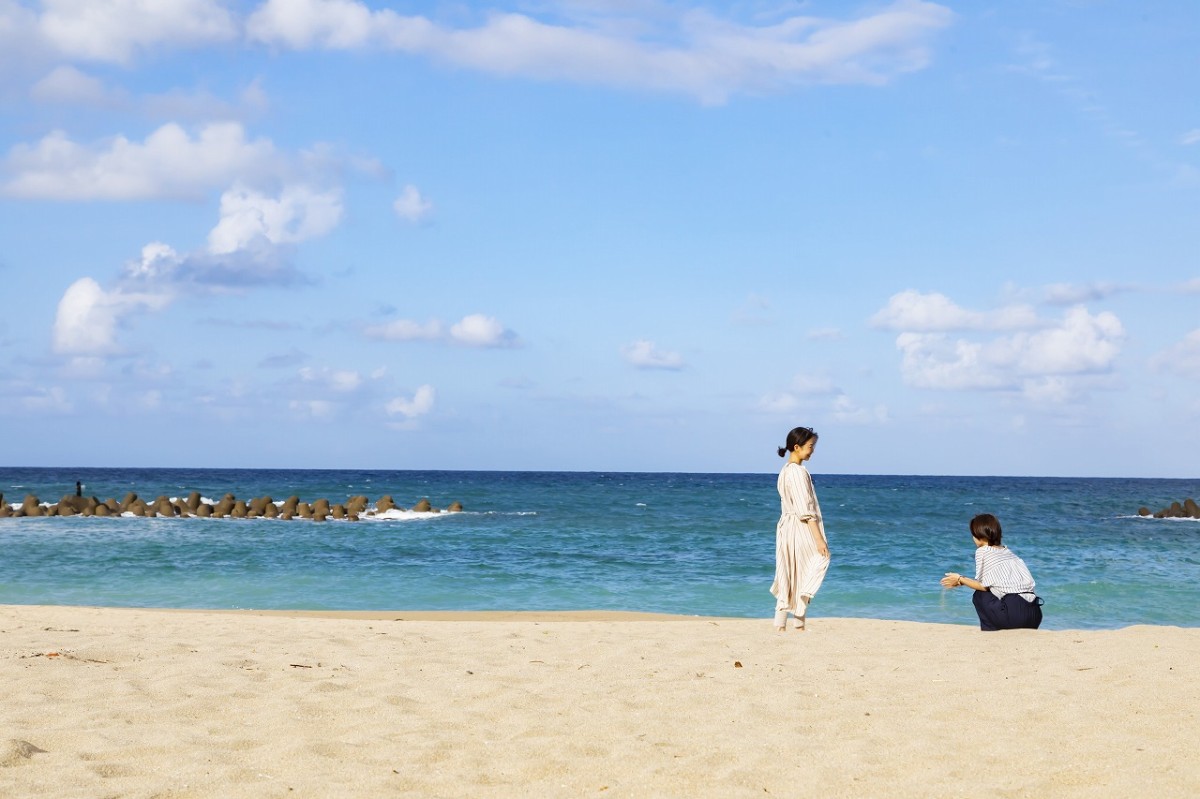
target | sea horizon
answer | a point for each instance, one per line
(813, 468)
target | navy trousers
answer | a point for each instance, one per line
(1012, 612)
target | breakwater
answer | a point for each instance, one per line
(1188, 509)
(228, 506)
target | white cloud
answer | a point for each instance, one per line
(88, 317)
(339, 380)
(802, 391)
(250, 218)
(913, 311)
(478, 330)
(828, 400)
(475, 330)
(411, 206)
(1049, 390)
(933, 360)
(420, 404)
(170, 163)
(241, 253)
(158, 261)
(114, 30)
(1191, 137)
(109, 31)
(1079, 344)
(847, 411)
(674, 49)
(1183, 358)
(243, 247)
(304, 24)
(1191, 286)
(646, 355)
(825, 334)
(691, 51)
(312, 409)
(345, 380)
(47, 400)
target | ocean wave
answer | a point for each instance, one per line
(396, 515)
(1157, 519)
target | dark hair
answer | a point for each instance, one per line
(986, 527)
(797, 436)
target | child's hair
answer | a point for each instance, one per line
(986, 527)
(798, 435)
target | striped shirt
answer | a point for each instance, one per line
(1003, 572)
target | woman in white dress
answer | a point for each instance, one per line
(801, 551)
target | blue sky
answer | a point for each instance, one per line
(958, 238)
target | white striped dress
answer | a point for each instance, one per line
(1002, 572)
(799, 567)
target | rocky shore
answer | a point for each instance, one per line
(229, 506)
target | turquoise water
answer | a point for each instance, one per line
(673, 543)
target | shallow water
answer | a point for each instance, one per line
(674, 543)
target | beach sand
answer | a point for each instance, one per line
(160, 703)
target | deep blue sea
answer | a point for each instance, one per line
(698, 544)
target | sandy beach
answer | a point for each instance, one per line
(158, 703)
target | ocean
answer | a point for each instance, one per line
(696, 544)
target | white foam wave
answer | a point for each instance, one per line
(1164, 519)
(395, 515)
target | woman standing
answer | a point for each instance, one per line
(801, 551)
(1003, 587)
